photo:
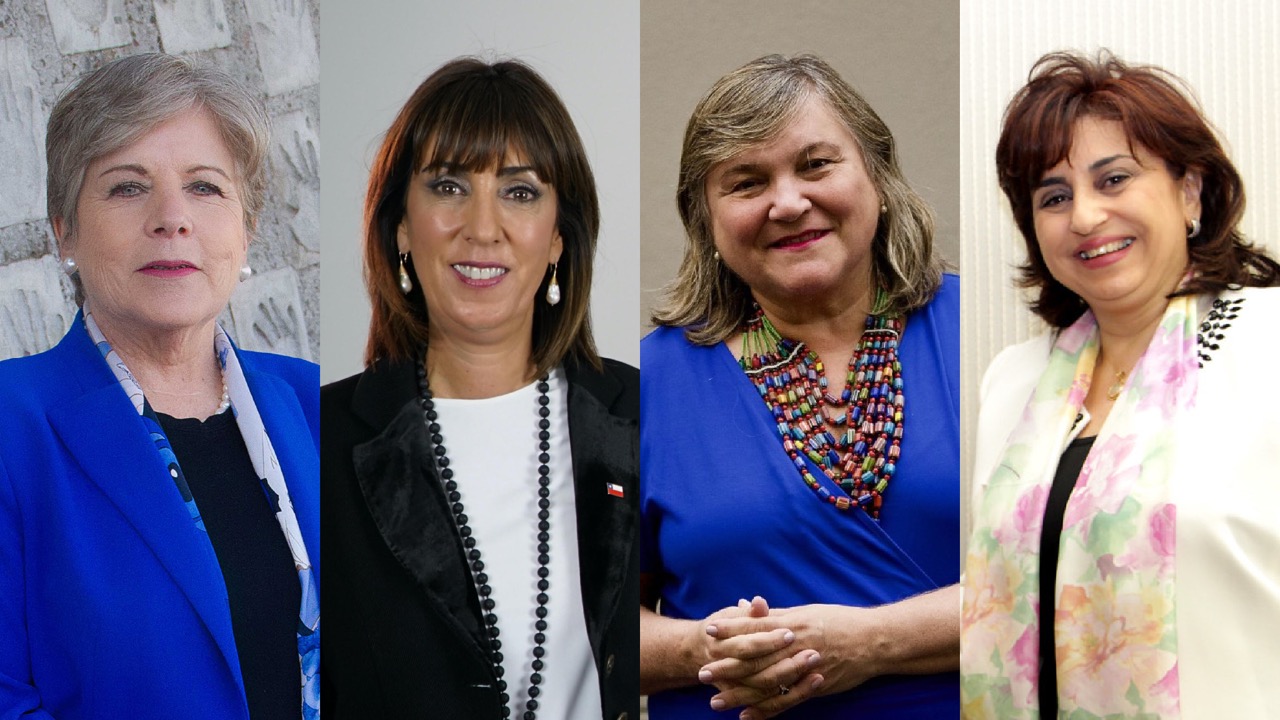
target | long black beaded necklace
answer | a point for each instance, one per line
(478, 575)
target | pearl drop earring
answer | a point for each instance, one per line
(406, 283)
(553, 288)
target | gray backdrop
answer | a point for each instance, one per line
(902, 56)
(375, 54)
(269, 45)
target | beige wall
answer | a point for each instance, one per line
(1226, 51)
(901, 56)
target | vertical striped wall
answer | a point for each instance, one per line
(1228, 53)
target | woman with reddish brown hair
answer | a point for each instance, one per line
(479, 478)
(1125, 462)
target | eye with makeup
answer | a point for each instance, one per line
(446, 186)
(1114, 180)
(126, 189)
(205, 188)
(1052, 199)
(522, 192)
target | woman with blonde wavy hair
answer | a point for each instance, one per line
(812, 328)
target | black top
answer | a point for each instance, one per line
(262, 583)
(1064, 481)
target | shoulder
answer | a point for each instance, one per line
(302, 375)
(1019, 362)
(616, 385)
(664, 346)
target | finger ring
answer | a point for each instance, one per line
(783, 689)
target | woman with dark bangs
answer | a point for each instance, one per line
(1123, 556)
(479, 477)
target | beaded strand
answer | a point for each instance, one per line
(857, 446)
(474, 558)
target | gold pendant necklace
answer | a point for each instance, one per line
(1113, 392)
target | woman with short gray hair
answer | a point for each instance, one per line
(805, 245)
(158, 506)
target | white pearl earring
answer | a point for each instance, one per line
(553, 287)
(406, 283)
(69, 265)
(246, 272)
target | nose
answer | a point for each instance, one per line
(169, 217)
(789, 200)
(484, 225)
(1088, 211)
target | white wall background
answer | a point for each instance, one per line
(1226, 51)
(372, 57)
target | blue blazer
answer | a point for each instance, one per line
(112, 603)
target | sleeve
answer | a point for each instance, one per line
(18, 696)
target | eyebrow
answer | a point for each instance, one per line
(139, 170)
(1097, 165)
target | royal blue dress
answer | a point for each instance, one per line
(725, 515)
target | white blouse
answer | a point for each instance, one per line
(493, 449)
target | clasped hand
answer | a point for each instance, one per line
(767, 661)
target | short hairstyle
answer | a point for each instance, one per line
(1157, 112)
(121, 101)
(752, 106)
(471, 114)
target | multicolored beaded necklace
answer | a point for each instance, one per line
(858, 444)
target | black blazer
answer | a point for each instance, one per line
(402, 626)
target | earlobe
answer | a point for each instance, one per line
(402, 238)
(557, 247)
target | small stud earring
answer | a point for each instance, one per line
(883, 208)
(1194, 230)
(69, 265)
(246, 272)
(406, 283)
(553, 287)
(715, 255)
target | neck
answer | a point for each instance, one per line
(176, 369)
(829, 329)
(470, 372)
(1124, 337)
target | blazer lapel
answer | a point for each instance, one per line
(397, 477)
(107, 439)
(294, 445)
(605, 451)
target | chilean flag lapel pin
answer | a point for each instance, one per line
(614, 489)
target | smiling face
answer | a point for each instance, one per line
(1111, 220)
(481, 242)
(795, 216)
(160, 234)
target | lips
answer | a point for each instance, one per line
(163, 265)
(799, 240)
(1102, 247)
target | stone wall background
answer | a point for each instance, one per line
(272, 46)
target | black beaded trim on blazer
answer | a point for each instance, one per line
(1213, 329)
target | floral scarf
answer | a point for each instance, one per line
(1115, 631)
(265, 464)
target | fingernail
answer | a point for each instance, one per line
(717, 704)
(789, 636)
(817, 683)
(813, 659)
(742, 601)
(712, 630)
(704, 675)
